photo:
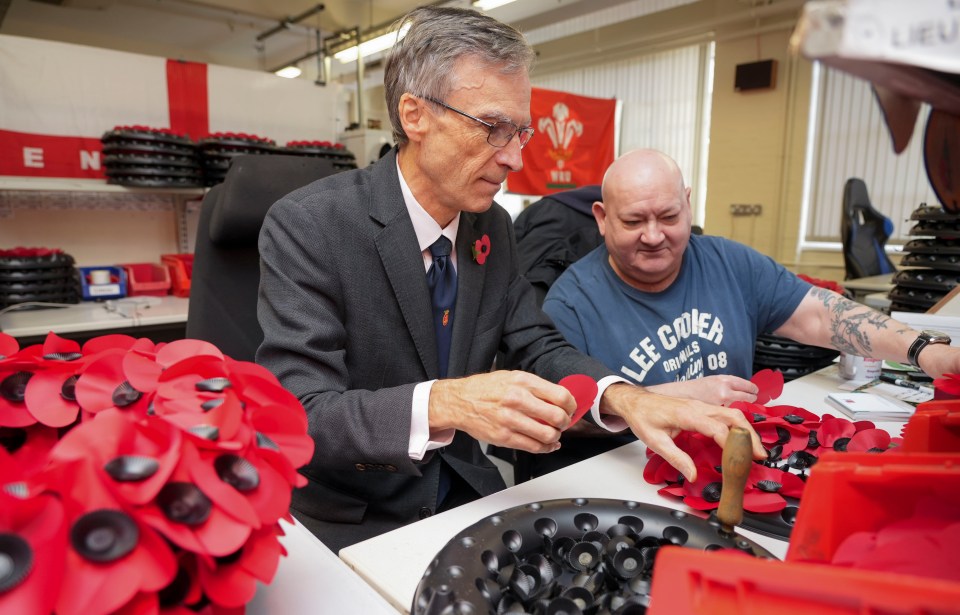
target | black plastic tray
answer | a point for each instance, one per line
(523, 559)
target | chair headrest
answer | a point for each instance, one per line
(252, 185)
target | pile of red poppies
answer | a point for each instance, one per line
(141, 478)
(794, 439)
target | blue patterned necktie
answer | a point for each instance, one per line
(442, 280)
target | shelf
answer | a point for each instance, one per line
(62, 184)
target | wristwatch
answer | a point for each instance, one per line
(925, 338)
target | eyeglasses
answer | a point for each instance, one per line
(500, 133)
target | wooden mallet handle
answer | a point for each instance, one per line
(737, 460)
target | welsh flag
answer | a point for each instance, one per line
(573, 144)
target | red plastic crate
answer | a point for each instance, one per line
(934, 428)
(181, 272)
(691, 582)
(846, 493)
(853, 492)
(147, 279)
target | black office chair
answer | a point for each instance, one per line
(226, 266)
(864, 232)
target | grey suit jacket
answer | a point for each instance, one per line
(346, 318)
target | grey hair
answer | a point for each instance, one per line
(423, 62)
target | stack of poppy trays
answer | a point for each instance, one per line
(875, 534)
(342, 158)
(146, 157)
(931, 261)
(29, 275)
(217, 151)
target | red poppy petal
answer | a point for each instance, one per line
(41, 522)
(833, 428)
(141, 372)
(34, 454)
(44, 401)
(784, 410)
(179, 350)
(54, 344)
(770, 383)
(114, 341)
(699, 503)
(867, 439)
(15, 414)
(584, 391)
(229, 586)
(272, 498)
(758, 501)
(674, 490)
(862, 425)
(95, 387)
(283, 425)
(262, 553)
(9, 345)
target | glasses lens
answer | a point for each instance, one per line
(525, 135)
(501, 133)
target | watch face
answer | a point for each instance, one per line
(935, 336)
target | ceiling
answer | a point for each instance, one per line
(226, 32)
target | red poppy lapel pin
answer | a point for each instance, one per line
(481, 249)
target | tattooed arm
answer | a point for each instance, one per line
(827, 319)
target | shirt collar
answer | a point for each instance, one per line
(424, 225)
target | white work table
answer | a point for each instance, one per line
(311, 579)
(94, 316)
(393, 563)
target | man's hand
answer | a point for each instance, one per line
(657, 419)
(507, 408)
(722, 390)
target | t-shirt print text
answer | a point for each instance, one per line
(673, 349)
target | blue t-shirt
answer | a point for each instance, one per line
(705, 323)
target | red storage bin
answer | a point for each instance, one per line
(147, 279)
(934, 428)
(691, 582)
(846, 493)
(181, 271)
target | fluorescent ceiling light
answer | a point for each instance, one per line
(289, 72)
(374, 45)
(486, 5)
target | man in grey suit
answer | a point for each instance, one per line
(349, 326)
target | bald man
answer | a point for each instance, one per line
(680, 313)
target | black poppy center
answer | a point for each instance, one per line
(213, 385)
(68, 390)
(14, 387)
(711, 492)
(131, 468)
(184, 503)
(237, 472)
(125, 395)
(16, 560)
(104, 535)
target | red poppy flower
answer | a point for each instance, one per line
(179, 448)
(232, 581)
(104, 385)
(16, 371)
(113, 553)
(769, 383)
(481, 249)
(9, 346)
(33, 541)
(766, 488)
(186, 516)
(133, 459)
